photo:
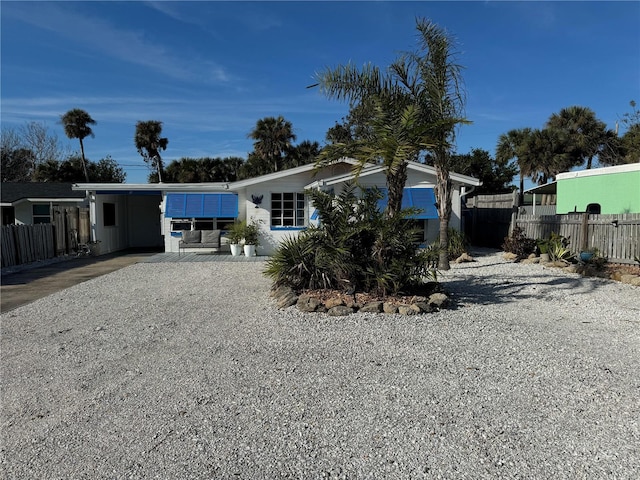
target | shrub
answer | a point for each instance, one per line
(356, 248)
(558, 247)
(457, 244)
(519, 244)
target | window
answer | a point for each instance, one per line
(287, 210)
(180, 224)
(41, 214)
(203, 224)
(593, 208)
(109, 214)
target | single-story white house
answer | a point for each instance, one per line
(150, 215)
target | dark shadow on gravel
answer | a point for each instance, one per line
(476, 290)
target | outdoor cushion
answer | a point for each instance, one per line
(191, 236)
(211, 237)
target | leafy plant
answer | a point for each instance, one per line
(457, 244)
(519, 244)
(543, 245)
(355, 248)
(559, 248)
(251, 233)
(235, 231)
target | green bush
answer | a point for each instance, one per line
(356, 248)
(457, 243)
(519, 244)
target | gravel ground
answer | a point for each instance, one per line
(187, 371)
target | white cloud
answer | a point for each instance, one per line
(133, 47)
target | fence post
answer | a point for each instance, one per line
(584, 231)
(514, 212)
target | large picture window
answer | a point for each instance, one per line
(287, 210)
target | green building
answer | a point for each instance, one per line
(608, 190)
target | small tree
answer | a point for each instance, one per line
(148, 142)
(77, 124)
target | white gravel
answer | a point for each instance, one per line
(187, 371)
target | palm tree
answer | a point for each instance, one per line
(273, 137)
(149, 143)
(513, 146)
(586, 135)
(76, 124)
(422, 95)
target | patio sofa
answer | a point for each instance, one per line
(199, 239)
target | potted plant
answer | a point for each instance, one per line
(543, 247)
(251, 241)
(235, 236)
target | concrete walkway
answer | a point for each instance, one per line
(29, 284)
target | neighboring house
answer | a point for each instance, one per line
(29, 203)
(607, 191)
(128, 215)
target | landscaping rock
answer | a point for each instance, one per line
(333, 302)
(424, 307)
(465, 257)
(571, 269)
(438, 300)
(340, 311)
(412, 309)
(389, 308)
(373, 307)
(287, 300)
(307, 303)
(510, 256)
(630, 279)
(531, 260)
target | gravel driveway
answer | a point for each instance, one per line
(187, 371)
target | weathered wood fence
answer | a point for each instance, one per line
(27, 243)
(69, 227)
(616, 237)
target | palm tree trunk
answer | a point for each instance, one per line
(395, 186)
(84, 162)
(443, 197)
(521, 192)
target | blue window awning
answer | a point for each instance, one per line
(422, 198)
(201, 205)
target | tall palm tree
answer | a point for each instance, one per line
(273, 136)
(422, 93)
(513, 146)
(552, 155)
(76, 124)
(586, 135)
(149, 143)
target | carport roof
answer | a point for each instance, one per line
(549, 188)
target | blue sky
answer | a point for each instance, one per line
(210, 70)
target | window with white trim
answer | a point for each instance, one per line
(287, 210)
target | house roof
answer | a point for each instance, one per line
(369, 169)
(16, 192)
(629, 167)
(372, 169)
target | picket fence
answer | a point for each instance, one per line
(617, 237)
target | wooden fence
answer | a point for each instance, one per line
(616, 237)
(27, 243)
